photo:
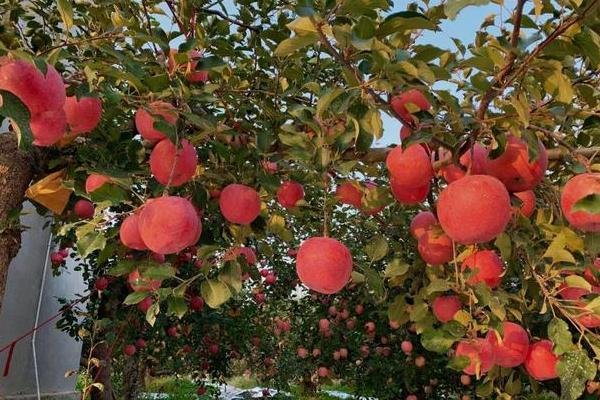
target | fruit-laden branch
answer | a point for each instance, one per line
(506, 77)
(379, 155)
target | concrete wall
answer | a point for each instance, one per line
(56, 352)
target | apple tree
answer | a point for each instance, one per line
(211, 169)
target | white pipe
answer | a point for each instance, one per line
(37, 318)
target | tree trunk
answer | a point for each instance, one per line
(102, 373)
(16, 172)
(133, 378)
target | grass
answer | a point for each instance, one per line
(185, 389)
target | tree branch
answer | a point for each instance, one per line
(176, 17)
(510, 62)
(228, 18)
(507, 77)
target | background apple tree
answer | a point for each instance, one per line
(457, 289)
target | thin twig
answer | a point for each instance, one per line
(81, 41)
(176, 17)
(149, 23)
(228, 18)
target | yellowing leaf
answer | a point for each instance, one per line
(50, 192)
(214, 292)
(291, 45)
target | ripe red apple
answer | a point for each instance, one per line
(344, 314)
(145, 304)
(43, 94)
(527, 203)
(83, 114)
(452, 172)
(323, 324)
(370, 327)
(480, 353)
(56, 258)
(445, 307)
(474, 209)
(144, 120)
(415, 98)
(324, 264)
(101, 283)
(172, 165)
(129, 350)
(201, 391)
(336, 355)
(514, 168)
(421, 222)
(486, 266)
(577, 188)
(302, 352)
(406, 346)
(343, 353)
(239, 204)
(410, 167)
(246, 252)
(412, 397)
(84, 209)
(270, 279)
(434, 246)
(332, 311)
(188, 68)
(169, 224)
(351, 324)
(359, 309)
(420, 361)
(511, 348)
(290, 193)
(140, 343)
(140, 283)
(323, 372)
(409, 195)
(95, 181)
(129, 233)
(172, 331)
(541, 361)
(349, 193)
(197, 303)
(316, 352)
(465, 379)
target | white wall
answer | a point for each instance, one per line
(56, 352)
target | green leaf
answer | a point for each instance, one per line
(159, 272)
(302, 26)
(123, 267)
(90, 242)
(231, 274)
(135, 297)
(326, 100)
(404, 21)
(504, 244)
(396, 268)
(453, 7)
(397, 310)
(65, 9)
(377, 249)
(437, 340)
(438, 285)
(152, 313)
(293, 44)
(371, 122)
(559, 334)
(574, 370)
(375, 283)
(176, 306)
(364, 29)
(12, 107)
(215, 292)
(589, 204)
(577, 281)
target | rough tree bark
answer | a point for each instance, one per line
(16, 172)
(133, 378)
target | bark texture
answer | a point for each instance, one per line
(16, 172)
